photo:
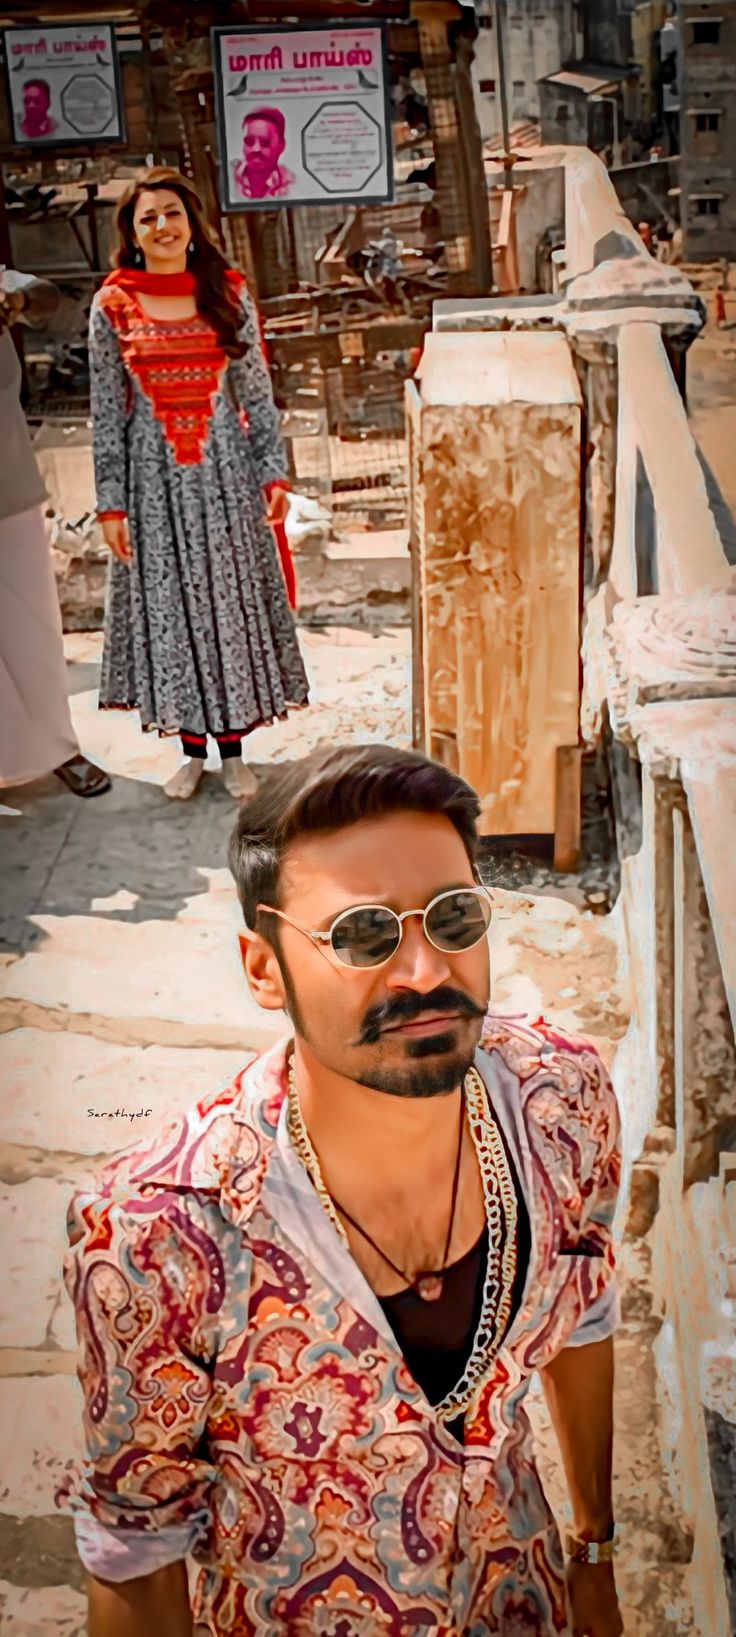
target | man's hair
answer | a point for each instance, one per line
(38, 85)
(330, 790)
(273, 116)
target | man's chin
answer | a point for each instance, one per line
(430, 1067)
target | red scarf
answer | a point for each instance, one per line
(163, 284)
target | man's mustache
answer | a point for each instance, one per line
(410, 1007)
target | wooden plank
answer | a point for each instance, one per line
(568, 807)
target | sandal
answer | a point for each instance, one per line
(82, 777)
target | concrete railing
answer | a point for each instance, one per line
(661, 670)
(659, 665)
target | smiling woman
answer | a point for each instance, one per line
(190, 471)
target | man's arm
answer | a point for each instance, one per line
(154, 1605)
(27, 298)
(578, 1387)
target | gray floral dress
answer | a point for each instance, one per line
(199, 635)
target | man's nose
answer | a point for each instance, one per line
(417, 964)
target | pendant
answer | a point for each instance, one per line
(429, 1286)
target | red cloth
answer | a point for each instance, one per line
(185, 284)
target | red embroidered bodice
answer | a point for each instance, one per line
(178, 363)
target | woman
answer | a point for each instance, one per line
(190, 472)
(36, 732)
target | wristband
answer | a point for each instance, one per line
(589, 1551)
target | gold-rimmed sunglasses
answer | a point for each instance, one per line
(368, 935)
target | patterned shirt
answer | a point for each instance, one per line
(276, 186)
(246, 1401)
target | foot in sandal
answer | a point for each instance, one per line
(82, 777)
(185, 780)
(238, 779)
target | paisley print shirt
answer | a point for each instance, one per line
(246, 1402)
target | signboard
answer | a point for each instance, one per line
(303, 116)
(63, 85)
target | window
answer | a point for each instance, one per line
(562, 114)
(485, 22)
(488, 87)
(707, 122)
(707, 32)
(706, 207)
(519, 87)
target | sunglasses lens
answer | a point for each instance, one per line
(366, 937)
(458, 920)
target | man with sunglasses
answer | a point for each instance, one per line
(310, 1312)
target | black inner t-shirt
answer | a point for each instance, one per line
(436, 1338)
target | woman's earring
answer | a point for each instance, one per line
(191, 248)
(138, 258)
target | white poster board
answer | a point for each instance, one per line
(303, 116)
(63, 85)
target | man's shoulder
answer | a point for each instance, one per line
(529, 1056)
(229, 1130)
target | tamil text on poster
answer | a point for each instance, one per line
(64, 84)
(303, 116)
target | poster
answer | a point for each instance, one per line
(64, 85)
(303, 116)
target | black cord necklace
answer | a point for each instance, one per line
(429, 1284)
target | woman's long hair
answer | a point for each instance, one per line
(215, 298)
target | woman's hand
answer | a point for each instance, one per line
(117, 537)
(591, 1589)
(277, 505)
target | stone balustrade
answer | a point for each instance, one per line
(661, 683)
(659, 694)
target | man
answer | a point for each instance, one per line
(259, 174)
(36, 732)
(37, 122)
(310, 1312)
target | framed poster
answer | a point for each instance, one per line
(303, 116)
(64, 85)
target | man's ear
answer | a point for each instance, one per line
(262, 972)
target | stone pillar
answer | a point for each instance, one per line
(496, 441)
(705, 1067)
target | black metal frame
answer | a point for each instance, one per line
(66, 146)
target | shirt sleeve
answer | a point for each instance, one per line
(593, 1262)
(109, 407)
(251, 383)
(41, 297)
(147, 1281)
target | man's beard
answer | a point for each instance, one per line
(422, 1075)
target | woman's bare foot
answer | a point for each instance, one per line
(238, 779)
(185, 780)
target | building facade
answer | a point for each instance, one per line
(537, 38)
(707, 46)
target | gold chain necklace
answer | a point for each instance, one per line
(501, 1213)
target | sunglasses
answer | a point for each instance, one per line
(368, 935)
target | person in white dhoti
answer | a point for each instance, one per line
(36, 732)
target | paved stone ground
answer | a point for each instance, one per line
(121, 992)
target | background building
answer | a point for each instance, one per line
(707, 44)
(538, 37)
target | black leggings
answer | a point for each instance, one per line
(195, 745)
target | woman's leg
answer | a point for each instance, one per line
(236, 777)
(187, 777)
